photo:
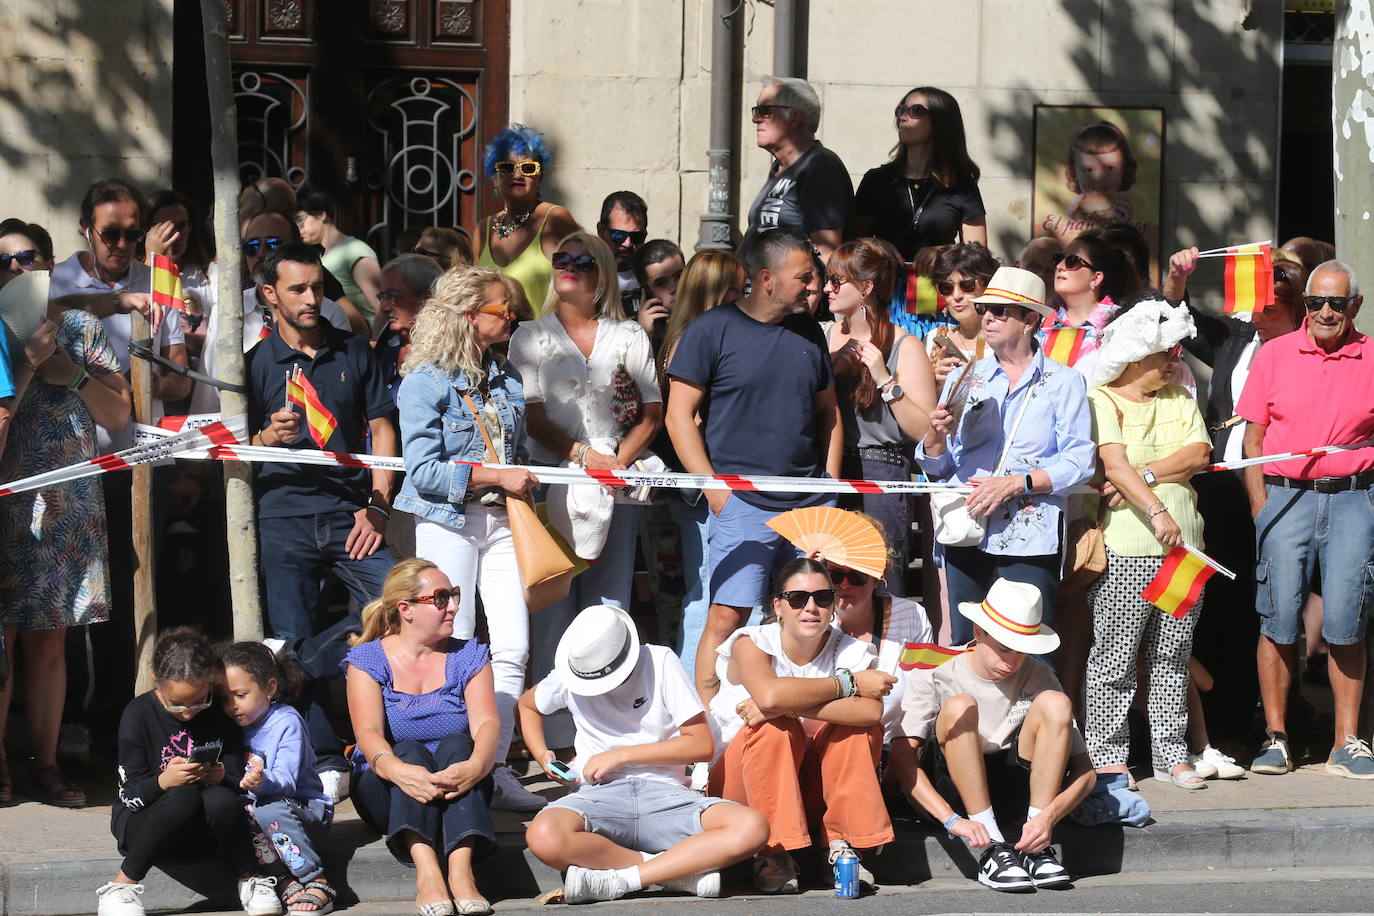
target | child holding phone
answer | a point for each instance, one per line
(289, 802)
(168, 802)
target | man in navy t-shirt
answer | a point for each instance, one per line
(759, 374)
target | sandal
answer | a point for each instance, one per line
(6, 784)
(1184, 780)
(318, 893)
(56, 789)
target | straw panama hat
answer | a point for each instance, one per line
(1010, 614)
(598, 651)
(1014, 286)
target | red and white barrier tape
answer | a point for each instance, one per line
(1287, 456)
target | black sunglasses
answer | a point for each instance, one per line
(111, 237)
(618, 236)
(440, 598)
(946, 287)
(911, 111)
(840, 574)
(25, 258)
(797, 598)
(252, 246)
(582, 264)
(999, 311)
(765, 111)
(528, 167)
(1338, 303)
(1072, 262)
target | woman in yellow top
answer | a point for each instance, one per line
(1151, 439)
(520, 240)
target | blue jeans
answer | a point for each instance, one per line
(969, 573)
(1300, 531)
(696, 572)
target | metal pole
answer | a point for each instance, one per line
(717, 223)
(784, 38)
(1353, 149)
(228, 343)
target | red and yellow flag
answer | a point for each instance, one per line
(1178, 585)
(1249, 278)
(301, 392)
(167, 283)
(922, 298)
(1065, 345)
(923, 656)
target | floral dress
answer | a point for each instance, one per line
(54, 551)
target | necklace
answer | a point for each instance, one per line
(505, 224)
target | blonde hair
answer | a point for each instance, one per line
(607, 286)
(442, 335)
(382, 617)
(709, 275)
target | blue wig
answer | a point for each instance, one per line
(514, 140)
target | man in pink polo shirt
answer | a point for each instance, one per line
(1310, 388)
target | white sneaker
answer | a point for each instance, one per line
(119, 899)
(1212, 763)
(585, 885)
(508, 793)
(776, 873)
(258, 896)
(702, 884)
(336, 784)
(274, 645)
(839, 846)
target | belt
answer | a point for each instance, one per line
(1361, 481)
(884, 453)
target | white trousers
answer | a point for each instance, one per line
(481, 556)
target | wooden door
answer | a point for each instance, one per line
(386, 104)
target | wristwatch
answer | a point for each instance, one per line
(891, 393)
(1149, 475)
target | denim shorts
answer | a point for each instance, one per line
(1302, 531)
(745, 554)
(646, 815)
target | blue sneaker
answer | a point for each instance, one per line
(1354, 761)
(1274, 757)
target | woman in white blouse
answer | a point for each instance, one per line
(592, 400)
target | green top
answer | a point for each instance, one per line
(531, 269)
(339, 261)
(1150, 431)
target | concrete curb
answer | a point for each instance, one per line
(361, 866)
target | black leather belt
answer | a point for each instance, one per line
(1361, 481)
(882, 453)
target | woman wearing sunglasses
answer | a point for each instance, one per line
(423, 709)
(800, 718)
(1090, 278)
(961, 274)
(927, 192)
(520, 240)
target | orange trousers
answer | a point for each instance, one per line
(828, 781)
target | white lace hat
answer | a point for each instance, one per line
(598, 651)
(1149, 326)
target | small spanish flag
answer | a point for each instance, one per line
(1249, 278)
(923, 656)
(921, 296)
(1178, 585)
(1065, 345)
(302, 393)
(167, 284)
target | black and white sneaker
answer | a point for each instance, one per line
(1044, 869)
(1000, 868)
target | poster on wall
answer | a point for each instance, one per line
(1095, 166)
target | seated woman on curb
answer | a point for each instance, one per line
(423, 707)
(801, 709)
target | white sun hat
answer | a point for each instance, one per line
(598, 651)
(1011, 615)
(1014, 286)
(1149, 326)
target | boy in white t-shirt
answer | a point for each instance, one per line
(631, 822)
(993, 705)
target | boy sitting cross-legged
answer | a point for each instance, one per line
(992, 709)
(631, 822)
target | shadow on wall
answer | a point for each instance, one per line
(85, 91)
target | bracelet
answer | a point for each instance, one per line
(846, 679)
(378, 756)
(580, 456)
(24, 362)
(953, 819)
(839, 687)
(373, 507)
(1160, 511)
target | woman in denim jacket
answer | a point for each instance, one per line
(459, 509)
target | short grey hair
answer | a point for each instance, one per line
(417, 272)
(1338, 266)
(801, 96)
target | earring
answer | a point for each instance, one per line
(863, 310)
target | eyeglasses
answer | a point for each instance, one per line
(111, 237)
(251, 247)
(1001, 312)
(427, 253)
(1072, 262)
(582, 263)
(1338, 303)
(618, 236)
(528, 167)
(835, 281)
(440, 598)
(911, 111)
(796, 598)
(181, 710)
(840, 574)
(766, 111)
(503, 310)
(387, 295)
(946, 287)
(25, 258)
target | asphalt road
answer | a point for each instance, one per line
(1279, 890)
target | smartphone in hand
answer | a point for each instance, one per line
(207, 753)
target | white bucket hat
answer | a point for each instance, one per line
(598, 651)
(1014, 286)
(1149, 326)
(1011, 614)
(582, 514)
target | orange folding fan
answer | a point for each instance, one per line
(839, 536)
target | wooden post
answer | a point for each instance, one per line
(242, 527)
(145, 601)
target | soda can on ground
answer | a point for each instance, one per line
(847, 876)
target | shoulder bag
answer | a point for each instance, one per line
(1085, 547)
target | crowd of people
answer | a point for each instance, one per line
(737, 700)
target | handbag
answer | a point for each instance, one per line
(546, 563)
(1085, 546)
(954, 527)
